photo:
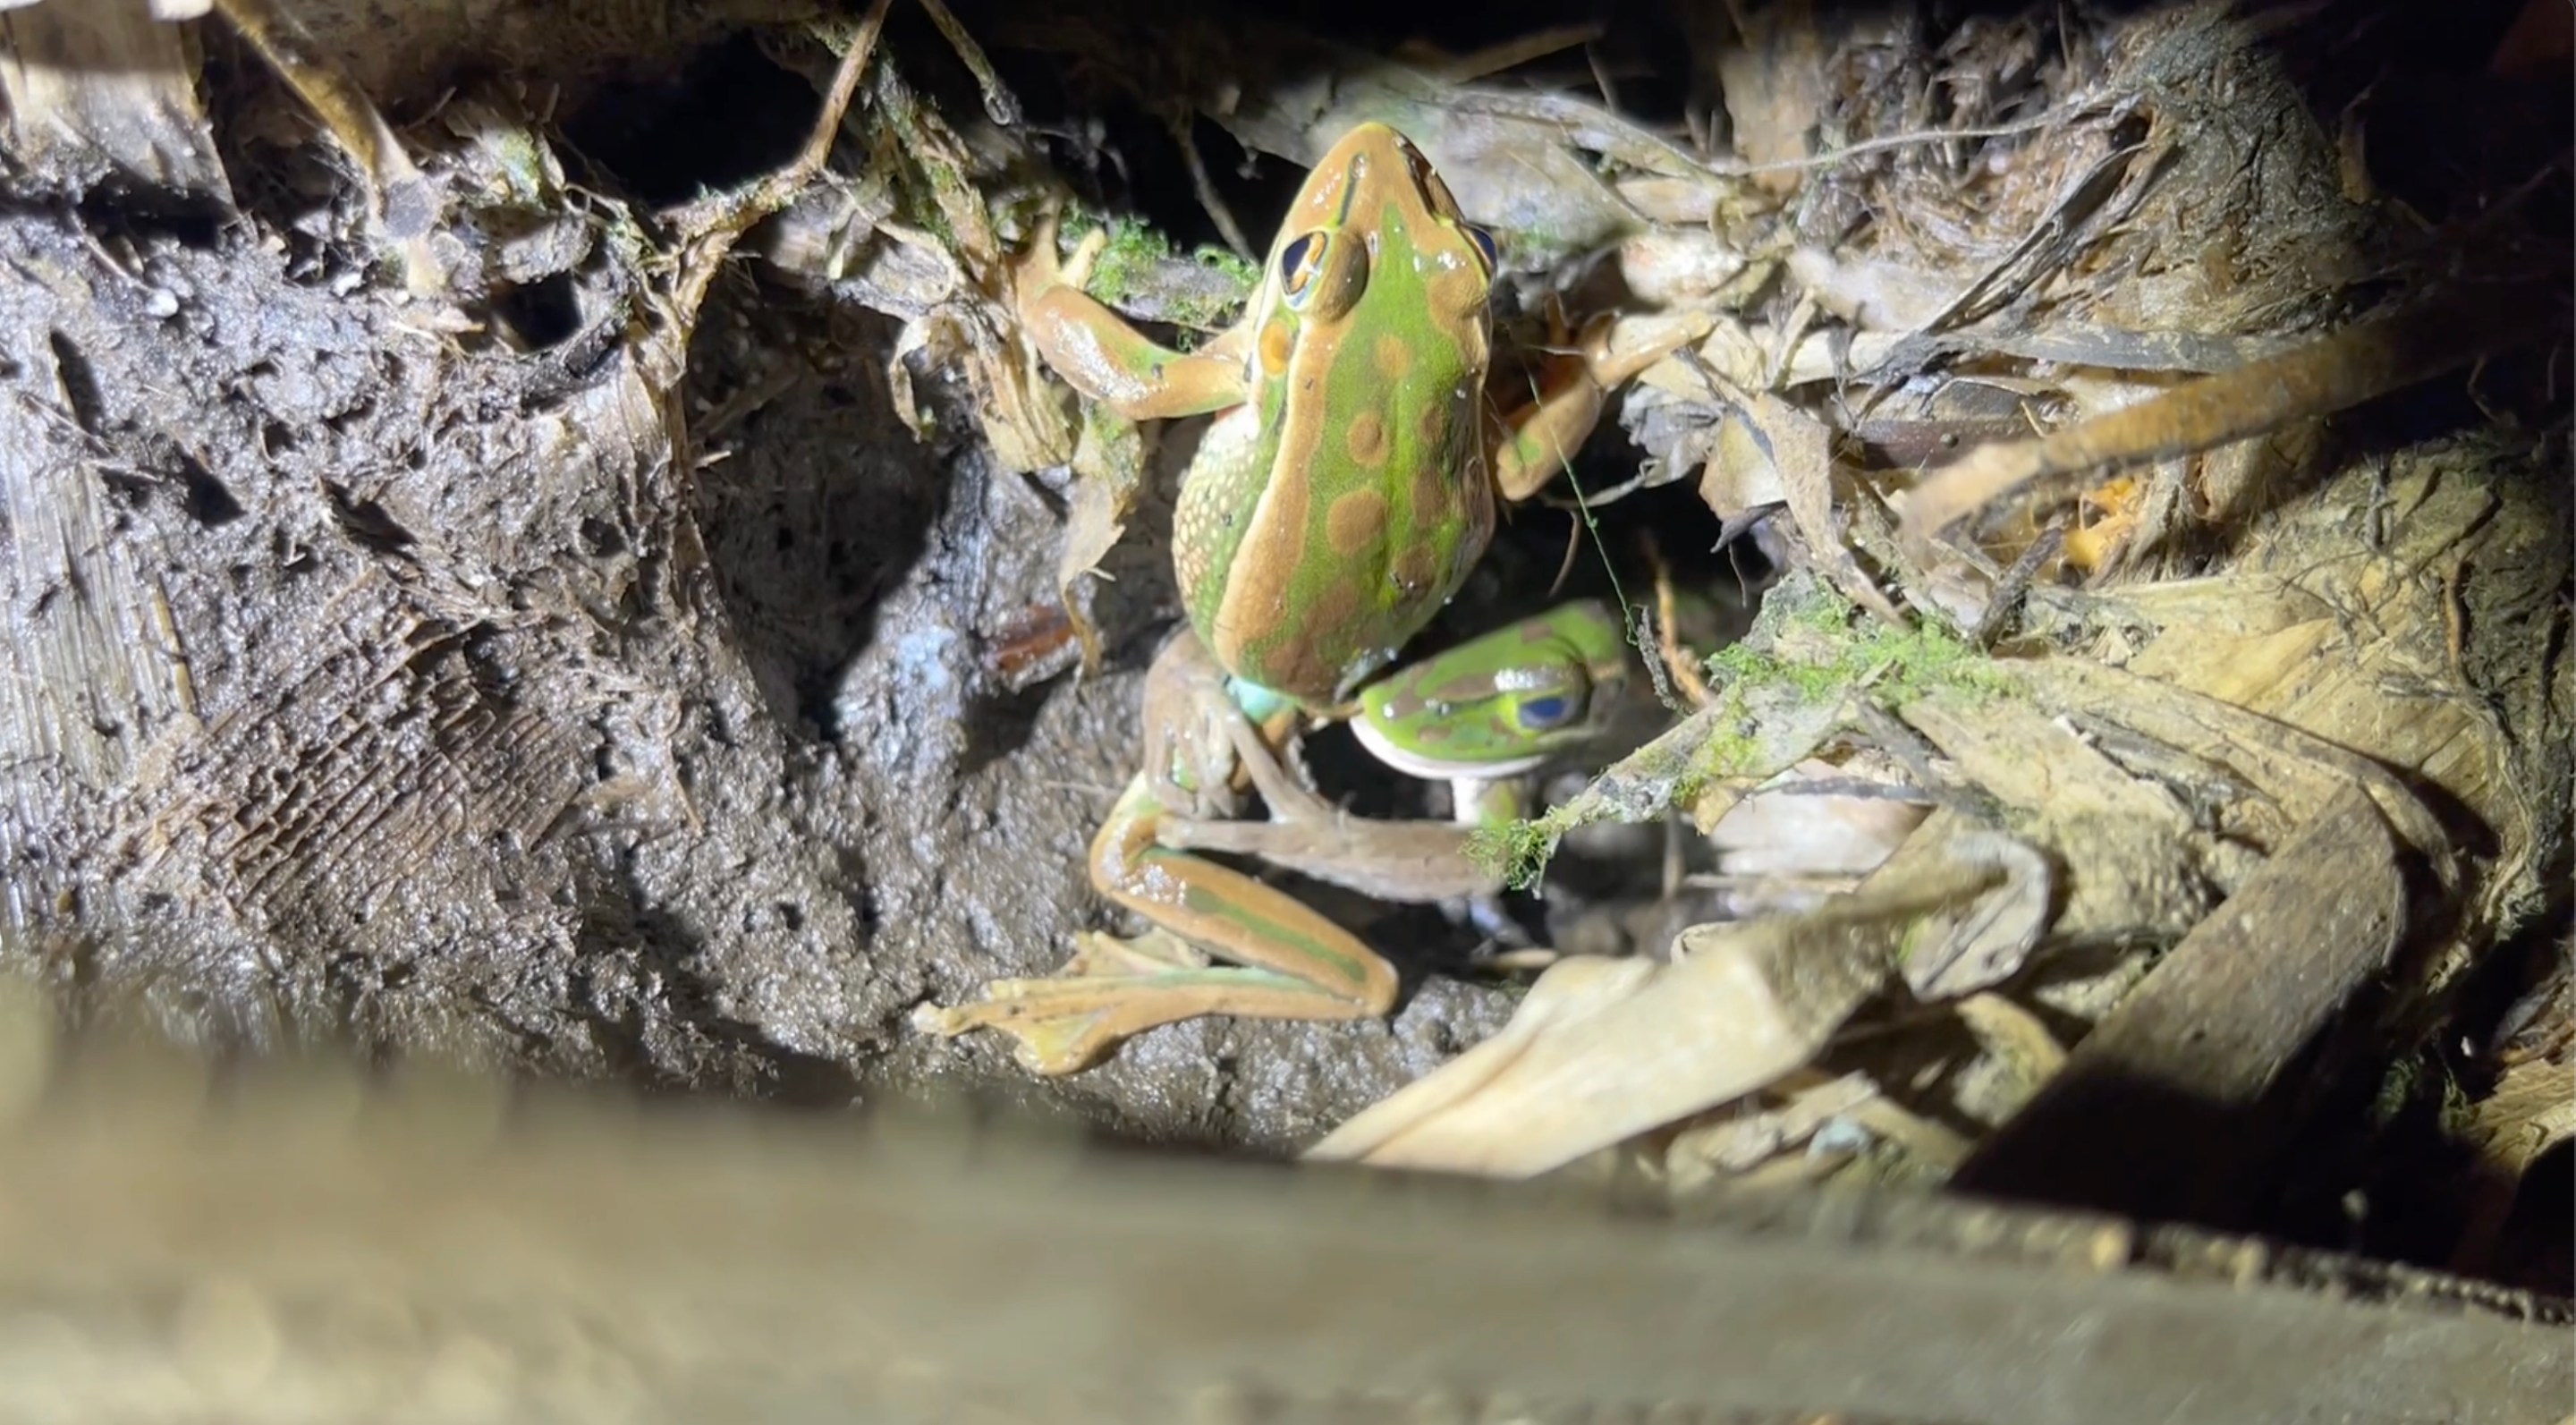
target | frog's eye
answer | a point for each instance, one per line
(1549, 713)
(1323, 275)
(1485, 244)
(1299, 261)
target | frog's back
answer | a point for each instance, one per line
(1366, 534)
(1370, 508)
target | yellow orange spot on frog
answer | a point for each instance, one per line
(1394, 357)
(1352, 524)
(1366, 439)
(1275, 339)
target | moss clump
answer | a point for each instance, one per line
(1808, 661)
(1128, 265)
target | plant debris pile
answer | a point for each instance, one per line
(549, 544)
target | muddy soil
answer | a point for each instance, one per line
(367, 685)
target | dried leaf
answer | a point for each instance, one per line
(1603, 1050)
(1108, 470)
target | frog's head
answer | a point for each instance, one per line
(1374, 236)
(1503, 704)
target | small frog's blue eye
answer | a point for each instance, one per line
(1545, 714)
(1485, 245)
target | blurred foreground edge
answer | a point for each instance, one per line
(295, 1246)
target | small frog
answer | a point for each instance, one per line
(1342, 492)
(1480, 715)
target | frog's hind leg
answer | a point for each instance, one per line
(1290, 962)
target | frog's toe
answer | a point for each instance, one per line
(1049, 1039)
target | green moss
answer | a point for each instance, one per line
(1242, 269)
(1134, 251)
(2459, 1117)
(2397, 1088)
(1515, 851)
(1808, 657)
(1813, 650)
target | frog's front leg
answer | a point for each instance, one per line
(1099, 354)
(1412, 861)
(1537, 438)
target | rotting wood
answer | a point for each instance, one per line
(107, 83)
(2171, 1104)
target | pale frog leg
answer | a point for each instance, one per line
(1100, 355)
(1406, 861)
(1538, 437)
(1292, 963)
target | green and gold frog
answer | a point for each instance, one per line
(1345, 487)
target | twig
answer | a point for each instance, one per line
(713, 225)
(1205, 189)
(1000, 105)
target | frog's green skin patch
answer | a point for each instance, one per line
(1466, 711)
(1328, 517)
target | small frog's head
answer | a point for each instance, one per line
(1503, 704)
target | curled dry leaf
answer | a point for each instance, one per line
(1800, 826)
(1603, 1050)
(1108, 472)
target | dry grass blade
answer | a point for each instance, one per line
(2319, 379)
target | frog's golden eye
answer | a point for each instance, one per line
(1299, 261)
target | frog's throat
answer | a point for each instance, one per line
(1435, 769)
(1257, 702)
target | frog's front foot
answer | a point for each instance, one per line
(1038, 268)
